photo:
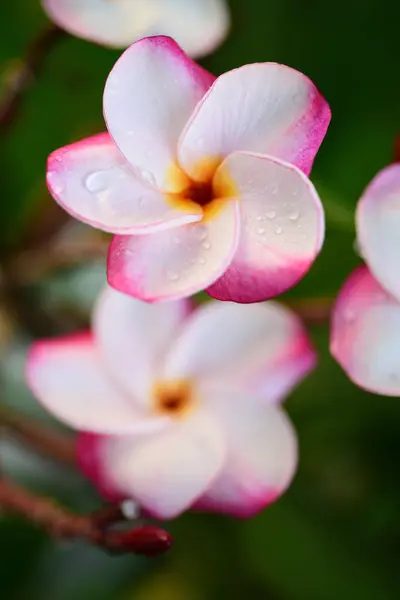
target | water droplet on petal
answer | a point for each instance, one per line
(96, 182)
(260, 218)
(202, 260)
(294, 216)
(349, 315)
(172, 275)
(278, 230)
(273, 190)
(206, 244)
(271, 214)
(148, 176)
(200, 232)
(260, 230)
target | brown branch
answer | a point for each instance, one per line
(22, 74)
(47, 442)
(31, 265)
(59, 522)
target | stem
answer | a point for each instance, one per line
(59, 522)
(49, 443)
(22, 75)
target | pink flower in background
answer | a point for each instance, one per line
(199, 26)
(180, 408)
(365, 336)
(204, 181)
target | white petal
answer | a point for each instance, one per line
(198, 26)
(262, 455)
(68, 377)
(115, 23)
(365, 334)
(262, 346)
(176, 263)
(378, 226)
(149, 96)
(166, 473)
(282, 227)
(266, 108)
(94, 183)
(133, 337)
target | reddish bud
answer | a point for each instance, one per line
(149, 541)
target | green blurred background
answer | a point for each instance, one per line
(336, 534)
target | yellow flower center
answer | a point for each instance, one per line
(173, 398)
(206, 193)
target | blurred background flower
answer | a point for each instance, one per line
(199, 26)
(365, 334)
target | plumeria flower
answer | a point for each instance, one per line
(199, 26)
(179, 408)
(365, 337)
(202, 180)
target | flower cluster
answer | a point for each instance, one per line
(204, 183)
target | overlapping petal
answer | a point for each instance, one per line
(261, 458)
(282, 227)
(259, 347)
(149, 96)
(265, 108)
(94, 183)
(378, 226)
(175, 263)
(132, 337)
(68, 378)
(168, 472)
(365, 334)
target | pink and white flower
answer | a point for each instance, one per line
(179, 408)
(365, 336)
(203, 180)
(199, 26)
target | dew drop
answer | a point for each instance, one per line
(96, 182)
(172, 275)
(202, 260)
(274, 190)
(200, 232)
(294, 216)
(349, 315)
(260, 230)
(271, 214)
(206, 244)
(260, 218)
(148, 176)
(278, 230)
